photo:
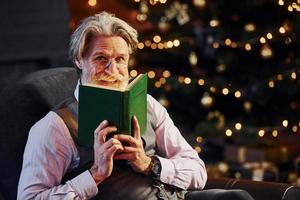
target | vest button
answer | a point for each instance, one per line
(160, 195)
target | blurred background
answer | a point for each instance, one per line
(227, 71)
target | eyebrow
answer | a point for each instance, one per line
(107, 54)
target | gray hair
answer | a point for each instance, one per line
(102, 23)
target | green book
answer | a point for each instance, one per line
(98, 103)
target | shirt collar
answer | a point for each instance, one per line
(76, 92)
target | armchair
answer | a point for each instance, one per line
(26, 101)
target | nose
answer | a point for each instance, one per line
(111, 67)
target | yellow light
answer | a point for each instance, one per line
(281, 2)
(141, 17)
(157, 84)
(248, 46)
(212, 89)
(238, 126)
(148, 43)
(293, 75)
(249, 27)
(153, 46)
(266, 52)
(285, 123)
(151, 74)
(271, 84)
(228, 132)
(193, 58)
(141, 45)
(176, 43)
(294, 129)
(180, 79)
(281, 30)
(136, 0)
(169, 44)
(157, 38)
(234, 45)
(261, 133)
(199, 139)
(187, 80)
(262, 40)
(206, 100)
(199, 3)
(290, 8)
(162, 80)
(225, 91)
(269, 36)
(228, 42)
(166, 74)
(92, 2)
(275, 133)
(198, 149)
(279, 77)
(237, 94)
(215, 45)
(247, 106)
(201, 82)
(160, 45)
(214, 23)
(133, 73)
(163, 1)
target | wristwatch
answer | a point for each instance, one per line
(155, 167)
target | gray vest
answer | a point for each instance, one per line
(123, 183)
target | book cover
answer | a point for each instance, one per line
(98, 103)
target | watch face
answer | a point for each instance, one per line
(156, 167)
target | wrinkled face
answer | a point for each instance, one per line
(105, 62)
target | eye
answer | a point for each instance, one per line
(120, 59)
(101, 58)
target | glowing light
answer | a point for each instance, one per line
(228, 132)
(249, 27)
(141, 17)
(274, 133)
(225, 91)
(92, 2)
(271, 84)
(153, 46)
(281, 2)
(169, 44)
(166, 74)
(201, 82)
(279, 77)
(198, 149)
(148, 43)
(285, 123)
(214, 23)
(212, 89)
(206, 100)
(157, 84)
(162, 80)
(176, 43)
(199, 3)
(193, 58)
(269, 36)
(290, 8)
(157, 38)
(293, 75)
(228, 42)
(162, 1)
(294, 129)
(237, 94)
(234, 45)
(187, 80)
(266, 52)
(180, 79)
(238, 126)
(199, 139)
(247, 106)
(248, 46)
(141, 45)
(160, 45)
(133, 73)
(261, 133)
(262, 40)
(281, 30)
(151, 74)
(216, 45)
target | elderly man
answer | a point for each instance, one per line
(158, 165)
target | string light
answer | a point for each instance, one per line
(261, 133)
(92, 3)
(238, 126)
(285, 123)
(274, 133)
(133, 73)
(225, 91)
(201, 82)
(228, 132)
(151, 74)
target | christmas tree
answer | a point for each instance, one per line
(228, 74)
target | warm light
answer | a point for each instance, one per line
(92, 2)
(201, 82)
(228, 132)
(169, 44)
(151, 74)
(290, 8)
(215, 45)
(212, 89)
(148, 43)
(157, 38)
(248, 46)
(153, 46)
(294, 129)
(249, 27)
(180, 79)
(225, 91)
(275, 133)
(247, 106)
(237, 94)
(141, 45)
(141, 17)
(166, 74)
(193, 58)
(279, 77)
(187, 80)
(261, 133)
(262, 40)
(294, 75)
(162, 1)
(238, 126)
(157, 84)
(133, 73)
(281, 2)
(160, 45)
(266, 52)
(199, 3)
(198, 149)
(206, 100)
(271, 84)
(285, 123)
(269, 36)
(162, 80)
(234, 45)
(176, 43)
(214, 23)
(199, 139)
(228, 42)
(281, 30)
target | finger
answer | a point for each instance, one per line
(136, 128)
(113, 149)
(124, 156)
(113, 142)
(104, 132)
(128, 149)
(103, 124)
(126, 138)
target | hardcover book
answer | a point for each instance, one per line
(98, 103)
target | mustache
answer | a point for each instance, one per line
(109, 78)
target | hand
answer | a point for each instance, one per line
(135, 152)
(104, 152)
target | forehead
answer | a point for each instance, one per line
(107, 45)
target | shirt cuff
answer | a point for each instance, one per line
(84, 185)
(167, 170)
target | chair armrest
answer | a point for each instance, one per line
(259, 190)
